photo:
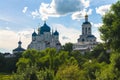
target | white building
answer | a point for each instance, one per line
(86, 41)
(45, 39)
(8, 55)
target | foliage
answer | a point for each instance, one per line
(4, 76)
(81, 59)
(8, 65)
(28, 74)
(111, 71)
(68, 72)
(90, 68)
(68, 47)
(111, 28)
(100, 54)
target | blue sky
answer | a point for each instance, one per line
(19, 18)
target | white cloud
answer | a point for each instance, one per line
(65, 37)
(47, 10)
(96, 30)
(6, 19)
(24, 9)
(67, 34)
(80, 14)
(35, 13)
(61, 7)
(97, 34)
(103, 9)
(86, 3)
(9, 39)
(7, 28)
(97, 25)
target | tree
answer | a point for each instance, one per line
(110, 71)
(99, 53)
(68, 72)
(28, 58)
(89, 70)
(68, 47)
(35, 65)
(29, 73)
(79, 57)
(110, 29)
(2, 62)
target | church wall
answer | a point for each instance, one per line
(45, 39)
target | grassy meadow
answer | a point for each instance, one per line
(4, 76)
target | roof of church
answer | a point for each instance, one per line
(34, 34)
(86, 22)
(90, 36)
(19, 48)
(56, 33)
(44, 28)
(20, 42)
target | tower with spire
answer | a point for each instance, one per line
(86, 41)
(86, 32)
(19, 49)
(44, 38)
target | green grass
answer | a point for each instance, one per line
(4, 76)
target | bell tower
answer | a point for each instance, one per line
(86, 26)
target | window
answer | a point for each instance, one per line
(83, 40)
(86, 30)
(89, 28)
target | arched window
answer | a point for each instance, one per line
(85, 30)
(83, 40)
(82, 30)
(89, 28)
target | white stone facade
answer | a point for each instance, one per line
(86, 41)
(45, 39)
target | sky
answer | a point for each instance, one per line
(19, 19)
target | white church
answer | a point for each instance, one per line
(86, 41)
(45, 39)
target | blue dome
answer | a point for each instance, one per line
(56, 33)
(90, 36)
(20, 42)
(86, 20)
(86, 23)
(19, 49)
(34, 34)
(44, 28)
